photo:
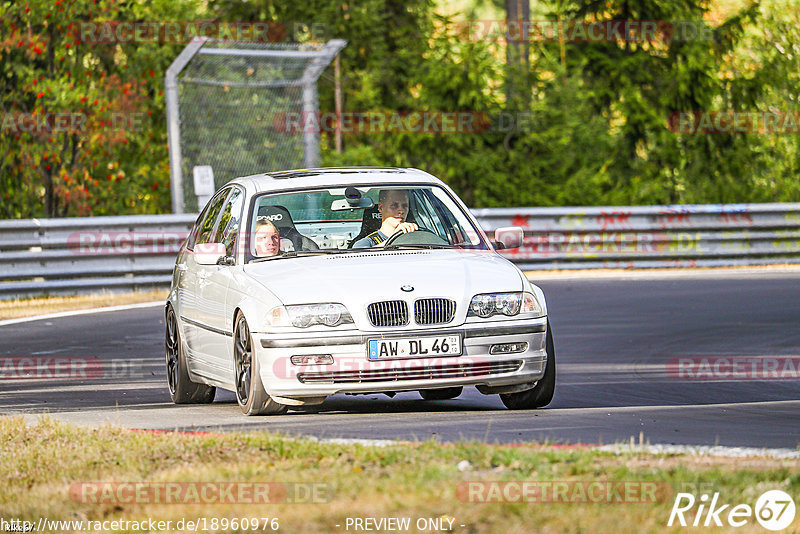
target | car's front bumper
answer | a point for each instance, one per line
(352, 372)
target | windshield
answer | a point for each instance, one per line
(354, 219)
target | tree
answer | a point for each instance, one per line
(83, 122)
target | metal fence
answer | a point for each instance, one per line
(67, 256)
(227, 104)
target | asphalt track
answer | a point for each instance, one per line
(614, 340)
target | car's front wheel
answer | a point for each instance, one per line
(441, 393)
(181, 388)
(542, 394)
(250, 393)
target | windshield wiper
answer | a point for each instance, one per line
(299, 253)
(416, 246)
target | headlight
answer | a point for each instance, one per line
(509, 304)
(305, 315)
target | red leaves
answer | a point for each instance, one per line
(40, 95)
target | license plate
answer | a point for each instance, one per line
(417, 347)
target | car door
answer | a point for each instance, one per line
(196, 275)
(214, 305)
(185, 280)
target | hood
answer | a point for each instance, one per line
(358, 279)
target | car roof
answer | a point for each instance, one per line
(333, 176)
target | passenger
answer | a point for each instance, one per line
(267, 240)
(393, 205)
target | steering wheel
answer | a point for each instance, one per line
(417, 237)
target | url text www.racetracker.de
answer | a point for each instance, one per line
(198, 524)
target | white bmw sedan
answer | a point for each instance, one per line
(297, 285)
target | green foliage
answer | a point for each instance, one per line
(108, 154)
(593, 130)
(596, 131)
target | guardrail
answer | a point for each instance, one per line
(88, 254)
(63, 256)
(704, 235)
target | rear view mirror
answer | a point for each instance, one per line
(352, 200)
(508, 237)
(343, 204)
(209, 253)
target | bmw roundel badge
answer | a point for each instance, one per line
(407, 288)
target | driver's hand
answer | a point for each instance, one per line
(392, 225)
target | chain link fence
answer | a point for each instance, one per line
(225, 108)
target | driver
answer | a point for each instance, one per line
(393, 205)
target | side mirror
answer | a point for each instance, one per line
(209, 253)
(508, 237)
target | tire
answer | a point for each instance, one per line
(441, 394)
(542, 394)
(250, 393)
(181, 388)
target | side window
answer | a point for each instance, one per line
(454, 230)
(229, 221)
(192, 239)
(426, 214)
(207, 226)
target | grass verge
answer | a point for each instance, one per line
(43, 467)
(13, 309)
